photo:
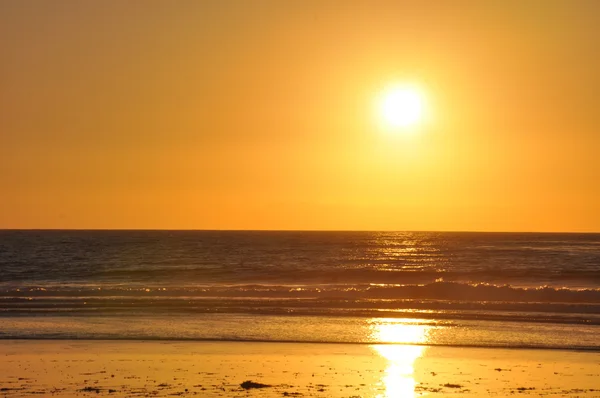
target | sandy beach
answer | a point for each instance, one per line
(218, 369)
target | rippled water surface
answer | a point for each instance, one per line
(188, 277)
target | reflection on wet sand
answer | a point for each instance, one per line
(399, 377)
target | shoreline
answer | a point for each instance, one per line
(581, 349)
(218, 369)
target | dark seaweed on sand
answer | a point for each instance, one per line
(450, 385)
(248, 384)
(90, 389)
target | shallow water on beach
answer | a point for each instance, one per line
(476, 289)
(307, 329)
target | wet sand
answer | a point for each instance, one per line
(219, 369)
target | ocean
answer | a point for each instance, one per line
(515, 290)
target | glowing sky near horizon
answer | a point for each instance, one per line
(259, 115)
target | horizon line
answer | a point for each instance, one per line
(294, 230)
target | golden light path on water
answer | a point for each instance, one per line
(399, 380)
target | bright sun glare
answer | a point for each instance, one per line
(401, 107)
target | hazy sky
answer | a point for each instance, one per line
(260, 115)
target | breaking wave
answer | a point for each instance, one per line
(442, 300)
(438, 290)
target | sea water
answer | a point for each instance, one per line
(438, 288)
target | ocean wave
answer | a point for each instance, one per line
(439, 290)
(350, 272)
(438, 300)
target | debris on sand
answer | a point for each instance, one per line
(248, 384)
(90, 389)
(450, 385)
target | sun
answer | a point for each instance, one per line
(401, 107)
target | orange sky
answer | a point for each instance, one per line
(259, 115)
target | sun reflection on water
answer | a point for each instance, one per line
(399, 380)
